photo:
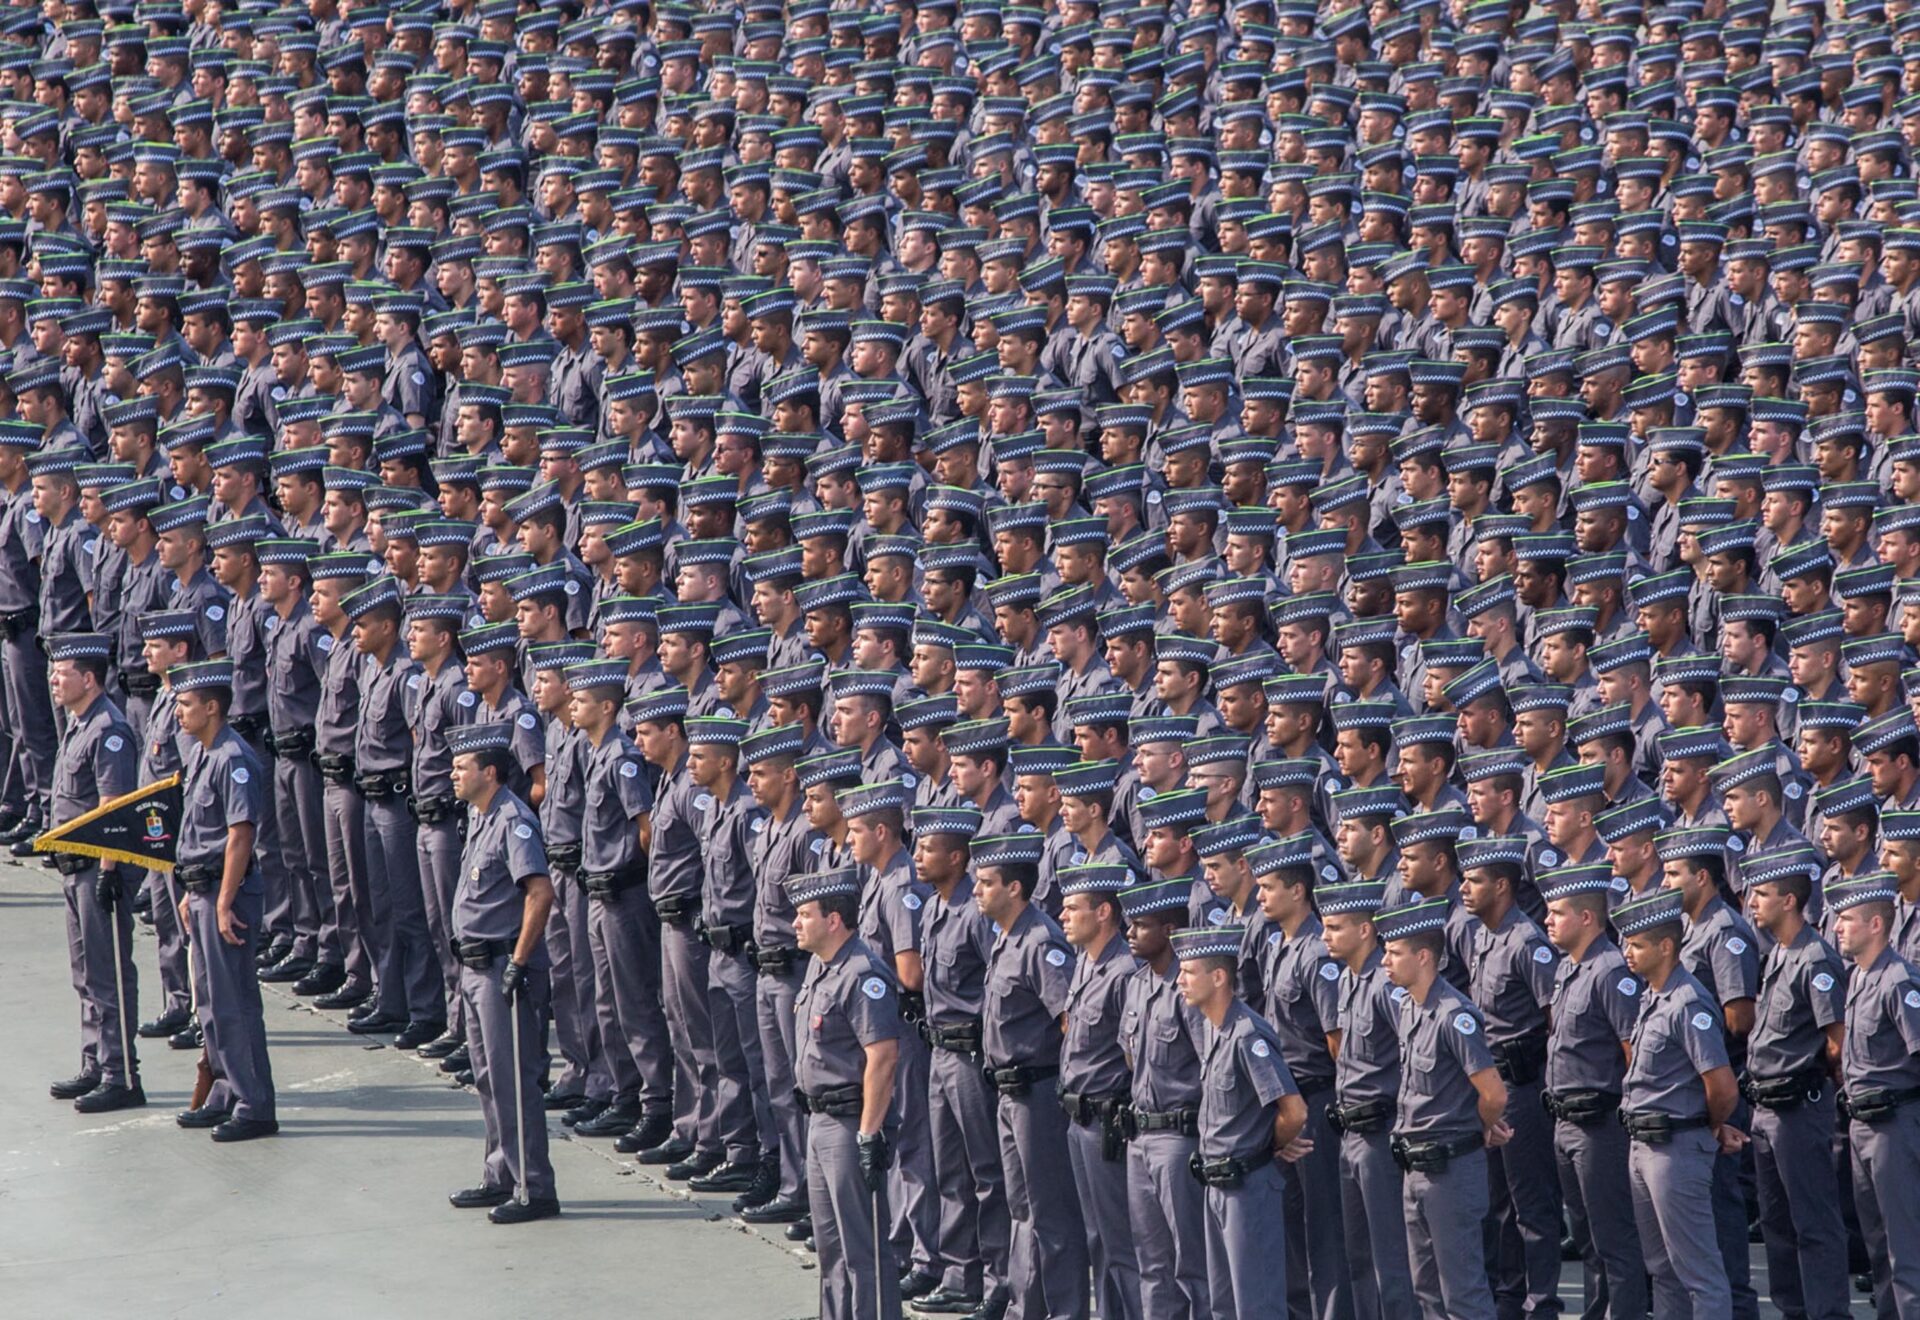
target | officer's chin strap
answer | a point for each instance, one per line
(519, 1104)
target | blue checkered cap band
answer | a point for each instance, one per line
(950, 822)
(774, 740)
(1900, 825)
(1007, 850)
(1270, 855)
(79, 646)
(1854, 794)
(1482, 679)
(1186, 807)
(1492, 764)
(664, 704)
(1095, 878)
(841, 883)
(466, 739)
(1397, 923)
(1757, 868)
(1542, 696)
(1880, 734)
(1208, 942)
(1493, 850)
(1742, 767)
(200, 675)
(1358, 896)
(1629, 819)
(1235, 835)
(865, 799)
(170, 624)
(971, 737)
(1163, 896)
(835, 767)
(1697, 841)
(1852, 891)
(1658, 908)
(1572, 781)
(1601, 723)
(1448, 825)
(370, 596)
(1567, 881)
(1298, 772)
(1380, 800)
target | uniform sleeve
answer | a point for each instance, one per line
(1052, 968)
(1736, 968)
(1323, 987)
(1465, 1036)
(1705, 1044)
(529, 745)
(1619, 996)
(1538, 964)
(630, 781)
(239, 790)
(873, 1008)
(526, 850)
(1826, 992)
(116, 763)
(902, 920)
(1267, 1072)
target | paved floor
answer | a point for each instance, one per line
(343, 1213)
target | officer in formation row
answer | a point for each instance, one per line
(1106, 659)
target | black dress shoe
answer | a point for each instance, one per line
(322, 979)
(376, 1024)
(994, 1308)
(730, 1176)
(583, 1111)
(646, 1134)
(188, 1037)
(694, 1165)
(347, 996)
(246, 1129)
(24, 848)
(367, 1008)
(164, 1025)
(766, 1181)
(480, 1198)
(109, 1096)
(512, 1212)
(917, 1282)
(8, 819)
(74, 1087)
(780, 1210)
(272, 954)
(464, 1077)
(611, 1121)
(204, 1117)
(286, 970)
(418, 1034)
(946, 1301)
(441, 1046)
(563, 1100)
(22, 831)
(457, 1061)
(801, 1230)
(670, 1151)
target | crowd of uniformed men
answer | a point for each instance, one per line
(1214, 660)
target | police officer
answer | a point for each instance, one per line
(847, 1038)
(499, 928)
(97, 761)
(223, 798)
(335, 727)
(1678, 1094)
(168, 638)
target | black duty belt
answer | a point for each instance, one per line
(1184, 1121)
(293, 745)
(1229, 1172)
(196, 879)
(1786, 1091)
(479, 954)
(1581, 1107)
(729, 939)
(1658, 1129)
(1084, 1109)
(382, 785)
(566, 855)
(72, 863)
(1015, 1079)
(960, 1038)
(336, 770)
(18, 623)
(1417, 1156)
(250, 727)
(1362, 1116)
(140, 685)
(838, 1102)
(776, 962)
(677, 909)
(1521, 1061)
(435, 810)
(611, 884)
(1880, 1106)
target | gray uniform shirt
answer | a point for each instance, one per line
(98, 760)
(222, 785)
(726, 843)
(1369, 1020)
(564, 804)
(1803, 991)
(845, 1004)
(1882, 1047)
(247, 648)
(781, 847)
(1513, 967)
(1161, 1034)
(433, 707)
(1091, 1059)
(504, 850)
(1242, 1080)
(891, 904)
(1303, 1002)
(679, 815)
(209, 602)
(294, 662)
(337, 716)
(617, 794)
(63, 590)
(1596, 1001)
(955, 943)
(383, 741)
(1029, 972)
(1677, 1038)
(1443, 1043)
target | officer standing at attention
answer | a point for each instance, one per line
(1452, 1108)
(1250, 1119)
(1678, 1094)
(1162, 1035)
(848, 1029)
(1093, 1077)
(1880, 1060)
(1029, 975)
(1793, 1056)
(97, 761)
(223, 799)
(499, 931)
(1595, 1003)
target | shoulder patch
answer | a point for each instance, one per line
(1628, 987)
(1217, 917)
(1027, 827)
(1795, 790)
(628, 769)
(1618, 884)
(1056, 957)
(1329, 972)
(1735, 944)
(1912, 998)
(1260, 1049)
(115, 742)
(527, 719)
(1148, 792)
(324, 642)
(216, 612)
(703, 802)
(1329, 872)
(466, 698)
(1397, 994)
(1542, 954)
(1464, 1024)
(874, 988)
(910, 779)
(1736, 844)
(910, 901)
(759, 825)
(1548, 857)
(271, 624)
(573, 587)
(413, 681)
(241, 774)
(523, 831)
(1822, 982)
(818, 846)
(1701, 1021)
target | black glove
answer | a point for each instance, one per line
(876, 1156)
(106, 888)
(514, 980)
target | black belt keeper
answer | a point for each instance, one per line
(1582, 1108)
(1085, 1109)
(566, 856)
(1879, 1106)
(1417, 1156)
(293, 745)
(1521, 1062)
(479, 954)
(1787, 1091)
(336, 770)
(1658, 1129)
(963, 1038)
(1184, 1121)
(677, 909)
(1016, 1078)
(197, 879)
(840, 1102)
(435, 810)
(380, 785)
(1229, 1172)
(1362, 1116)
(611, 884)
(775, 962)
(728, 939)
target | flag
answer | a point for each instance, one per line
(142, 827)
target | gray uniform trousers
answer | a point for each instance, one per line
(1166, 1217)
(1523, 1244)
(1373, 1216)
(746, 1120)
(1593, 1184)
(964, 1140)
(94, 934)
(1317, 1273)
(736, 1019)
(1806, 1240)
(171, 940)
(345, 815)
(1247, 1247)
(696, 1074)
(1445, 1243)
(13, 789)
(1672, 1184)
(490, 1044)
(1732, 1180)
(23, 671)
(270, 856)
(576, 1021)
(230, 1015)
(408, 971)
(623, 941)
(1102, 1187)
(773, 997)
(915, 1226)
(1886, 1169)
(438, 846)
(1047, 1250)
(303, 846)
(855, 1284)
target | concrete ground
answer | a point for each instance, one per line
(344, 1212)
